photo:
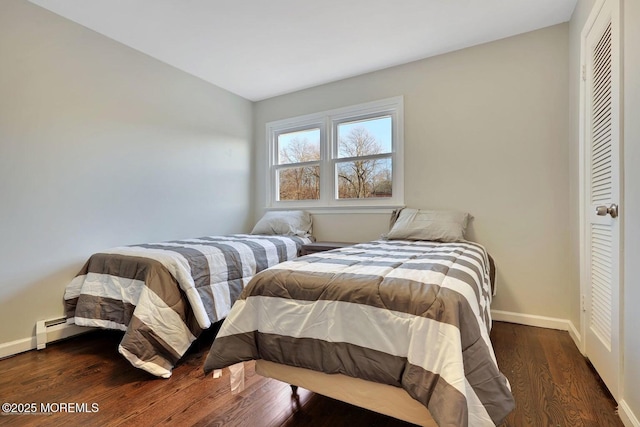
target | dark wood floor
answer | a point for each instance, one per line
(552, 384)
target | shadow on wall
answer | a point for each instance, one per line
(470, 233)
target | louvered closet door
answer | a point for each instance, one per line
(602, 179)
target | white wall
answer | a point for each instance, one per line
(486, 131)
(631, 207)
(103, 146)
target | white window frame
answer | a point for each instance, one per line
(327, 122)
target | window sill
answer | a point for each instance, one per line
(332, 210)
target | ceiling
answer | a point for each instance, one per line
(263, 48)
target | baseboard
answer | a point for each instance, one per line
(531, 320)
(627, 416)
(18, 346)
(540, 322)
(575, 335)
(54, 333)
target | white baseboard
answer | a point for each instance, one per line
(531, 320)
(54, 333)
(18, 346)
(575, 335)
(540, 322)
(627, 416)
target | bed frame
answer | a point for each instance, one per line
(385, 399)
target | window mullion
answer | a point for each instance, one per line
(326, 192)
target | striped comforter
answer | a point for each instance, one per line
(410, 314)
(165, 294)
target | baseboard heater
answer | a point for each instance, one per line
(56, 329)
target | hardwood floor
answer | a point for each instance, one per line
(552, 383)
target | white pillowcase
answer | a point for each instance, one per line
(292, 223)
(419, 224)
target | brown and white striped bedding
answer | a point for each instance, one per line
(165, 294)
(410, 314)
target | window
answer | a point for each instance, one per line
(298, 166)
(346, 157)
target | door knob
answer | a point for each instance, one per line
(611, 210)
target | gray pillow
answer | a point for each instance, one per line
(297, 223)
(420, 224)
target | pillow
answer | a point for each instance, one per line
(419, 224)
(296, 223)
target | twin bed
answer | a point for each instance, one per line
(399, 326)
(412, 315)
(164, 295)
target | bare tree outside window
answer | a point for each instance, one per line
(367, 177)
(299, 182)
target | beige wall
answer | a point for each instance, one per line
(102, 146)
(486, 131)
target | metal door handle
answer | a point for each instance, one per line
(611, 210)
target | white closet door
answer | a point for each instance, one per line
(602, 230)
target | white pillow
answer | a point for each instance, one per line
(418, 224)
(296, 223)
